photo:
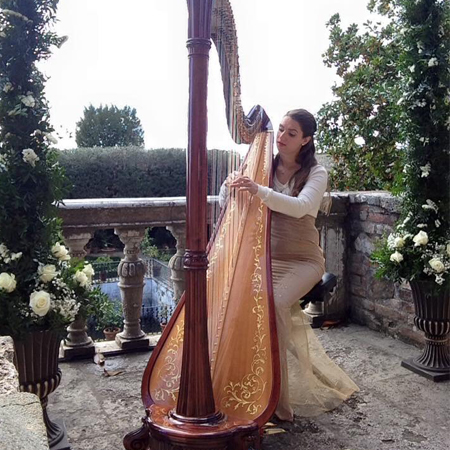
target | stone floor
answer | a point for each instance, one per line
(395, 409)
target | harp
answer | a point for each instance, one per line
(213, 379)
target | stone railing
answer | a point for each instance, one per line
(129, 218)
(347, 238)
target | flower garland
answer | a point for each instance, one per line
(41, 288)
(419, 247)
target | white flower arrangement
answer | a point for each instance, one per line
(61, 289)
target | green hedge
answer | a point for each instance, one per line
(129, 172)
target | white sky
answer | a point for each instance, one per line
(133, 52)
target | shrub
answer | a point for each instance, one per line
(134, 172)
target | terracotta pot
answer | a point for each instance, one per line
(432, 316)
(36, 359)
(110, 333)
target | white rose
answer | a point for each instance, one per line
(4, 250)
(89, 270)
(396, 257)
(448, 249)
(399, 242)
(15, 256)
(7, 281)
(433, 62)
(7, 87)
(51, 138)
(421, 238)
(28, 100)
(47, 272)
(60, 251)
(30, 157)
(437, 265)
(81, 278)
(425, 170)
(359, 140)
(40, 302)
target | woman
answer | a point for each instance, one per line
(315, 383)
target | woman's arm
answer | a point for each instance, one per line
(308, 200)
(223, 194)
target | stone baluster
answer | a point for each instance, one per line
(77, 344)
(176, 262)
(131, 273)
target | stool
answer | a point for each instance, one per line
(319, 294)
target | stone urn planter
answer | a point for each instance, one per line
(432, 316)
(36, 360)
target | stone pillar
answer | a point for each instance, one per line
(131, 273)
(176, 263)
(78, 344)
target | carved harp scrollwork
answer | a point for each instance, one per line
(243, 360)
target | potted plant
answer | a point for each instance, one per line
(418, 249)
(109, 317)
(103, 262)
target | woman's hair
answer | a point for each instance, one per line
(305, 157)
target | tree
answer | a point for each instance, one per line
(362, 130)
(109, 126)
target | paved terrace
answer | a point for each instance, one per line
(395, 409)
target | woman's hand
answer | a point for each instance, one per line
(244, 184)
(231, 177)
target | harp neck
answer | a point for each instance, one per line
(243, 128)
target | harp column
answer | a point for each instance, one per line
(196, 399)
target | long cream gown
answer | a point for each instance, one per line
(310, 380)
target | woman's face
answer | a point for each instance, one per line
(290, 137)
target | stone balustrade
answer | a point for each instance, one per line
(347, 234)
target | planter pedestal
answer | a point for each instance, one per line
(432, 311)
(36, 360)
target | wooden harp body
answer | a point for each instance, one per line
(213, 379)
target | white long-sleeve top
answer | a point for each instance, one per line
(306, 203)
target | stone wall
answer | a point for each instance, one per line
(378, 304)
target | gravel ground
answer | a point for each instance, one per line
(394, 410)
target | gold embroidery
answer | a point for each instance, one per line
(170, 372)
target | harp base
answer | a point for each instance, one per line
(163, 432)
